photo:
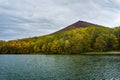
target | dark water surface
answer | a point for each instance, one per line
(59, 67)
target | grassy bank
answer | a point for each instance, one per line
(110, 52)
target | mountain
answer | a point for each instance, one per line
(79, 24)
(77, 38)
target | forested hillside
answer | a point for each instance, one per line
(76, 41)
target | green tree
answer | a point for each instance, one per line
(100, 44)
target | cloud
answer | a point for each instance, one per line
(26, 18)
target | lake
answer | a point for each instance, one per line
(59, 67)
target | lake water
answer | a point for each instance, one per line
(59, 67)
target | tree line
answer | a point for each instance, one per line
(77, 41)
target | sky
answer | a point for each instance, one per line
(28, 18)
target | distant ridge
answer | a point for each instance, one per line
(79, 38)
(79, 24)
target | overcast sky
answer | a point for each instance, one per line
(27, 18)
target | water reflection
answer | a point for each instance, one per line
(59, 67)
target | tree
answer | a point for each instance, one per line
(100, 44)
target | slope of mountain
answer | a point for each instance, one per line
(79, 24)
(77, 38)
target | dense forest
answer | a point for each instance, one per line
(76, 41)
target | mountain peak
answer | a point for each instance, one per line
(79, 24)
